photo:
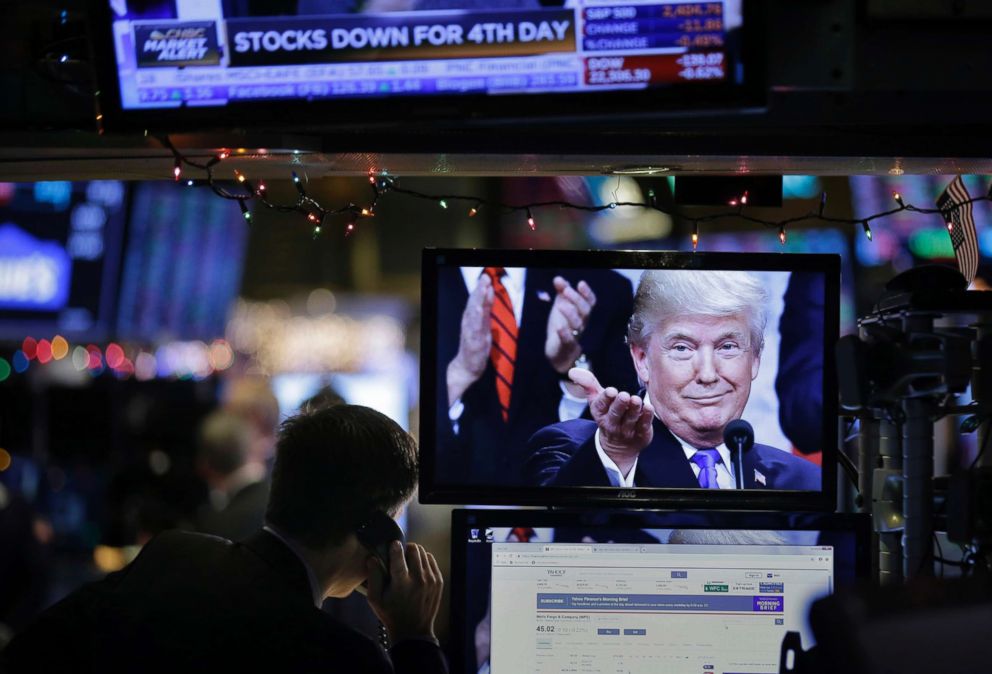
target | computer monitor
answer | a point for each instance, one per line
(554, 591)
(555, 377)
(60, 255)
(183, 264)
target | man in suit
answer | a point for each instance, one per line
(507, 338)
(238, 490)
(695, 339)
(193, 602)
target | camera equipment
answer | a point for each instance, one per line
(900, 374)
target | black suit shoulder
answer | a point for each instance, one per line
(242, 517)
(564, 454)
(786, 471)
(198, 602)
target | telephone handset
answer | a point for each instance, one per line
(376, 533)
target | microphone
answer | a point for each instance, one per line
(739, 437)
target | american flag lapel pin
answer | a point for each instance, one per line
(759, 478)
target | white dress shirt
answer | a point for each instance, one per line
(513, 281)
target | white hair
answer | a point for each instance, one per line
(726, 537)
(667, 293)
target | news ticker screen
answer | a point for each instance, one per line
(211, 53)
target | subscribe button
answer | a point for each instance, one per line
(176, 43)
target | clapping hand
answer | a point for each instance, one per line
(474, 342)
(566, 322)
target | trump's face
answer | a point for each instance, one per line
(698, 371)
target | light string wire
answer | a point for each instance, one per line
(381, 183)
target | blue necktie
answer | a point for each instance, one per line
(707, 459)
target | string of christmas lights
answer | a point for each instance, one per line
(381, 183)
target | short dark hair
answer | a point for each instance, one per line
(224, 442)
(335, 466)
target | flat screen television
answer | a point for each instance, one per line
(60, 254)
(175, 63)
(553, 591)
(552, 377)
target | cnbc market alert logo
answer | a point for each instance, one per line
(175, 44)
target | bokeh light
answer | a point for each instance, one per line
(109, 559)
(115, 355)
(44, 351)
(275, 340)
(221, 355)
(145, 366)
(95, 357)
(5, 459)
(95, 364)
(124, 369)
(60, 347)
(80, 358)
(29, 347)
(4, 369)
(7, 192)
(321, 301)
(20, 362)
(198, 360)
(159, 462)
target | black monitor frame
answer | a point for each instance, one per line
(432, 492)
(403, 113)
(463, 519)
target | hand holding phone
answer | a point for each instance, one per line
(407, 600)
(376, 533)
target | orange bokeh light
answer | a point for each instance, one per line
(60, 347)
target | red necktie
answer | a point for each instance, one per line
(523, 534)
(504, 350)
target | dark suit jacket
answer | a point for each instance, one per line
(197, 603)
(486, 449)
(564, 454)
(799, 382)
(243, 515)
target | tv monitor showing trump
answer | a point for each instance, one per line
(599, 376)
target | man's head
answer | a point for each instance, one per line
(696, 339)
(334, 466)
(251, 398)
(224, 445)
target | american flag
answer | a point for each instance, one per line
(960, 224)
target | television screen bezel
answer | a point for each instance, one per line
(441, 111)
(432, 492)
(462, 518)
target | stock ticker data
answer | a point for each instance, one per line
(213, 53)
